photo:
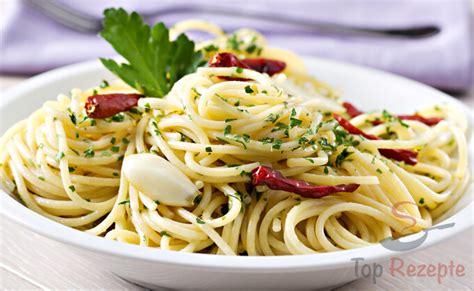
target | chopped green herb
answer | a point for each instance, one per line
(309, 160)
(234, 43)
(239, 70)
(197, 199)
(125, 140)
(115, 149)
(104, 84)
(302, 140)
(134, 110)
(199, 220)
(211, 48)
(245, 173)
(72, 116)
(251, 48)
(157, 202)
(326, 170)
(113, 140)
(119, 117)
(208, 149)
(72, 188)
(155, 62)
(342, 157)
(325, 145)
(124, 202)
(41, 178)
(281, 126)
(248, 89)
(266, 140)
(227, 129)
(295, 122)
(422, 200)
(272, 117)
(379, 171)
(59, 156)
(115, 174)
(277, 144)
(89, 153)
(402, 123)
(71, 169)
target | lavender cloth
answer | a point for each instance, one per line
(31, 42)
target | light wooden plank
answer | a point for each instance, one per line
(51, 264)
(28, 259)
(12, 281)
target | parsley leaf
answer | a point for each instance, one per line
(154, 62)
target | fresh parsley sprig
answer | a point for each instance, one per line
(154, 62)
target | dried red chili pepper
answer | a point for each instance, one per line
(261, 65)
(226, 60)
(402, 155)
(352, 111)
(407, 156)
(351, 128)
(426, 120)
(276, 181)
(107, 105)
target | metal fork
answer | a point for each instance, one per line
(85, 23)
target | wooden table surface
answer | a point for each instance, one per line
(30, 261)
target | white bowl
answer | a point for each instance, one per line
(370, 89)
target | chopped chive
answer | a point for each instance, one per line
(199, 220)
(227, 129)
(124, 202)
(89, 153)
(248, 89)
(197, 199)
(59, 156)
(104, 84)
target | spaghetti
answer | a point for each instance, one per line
(217, 125)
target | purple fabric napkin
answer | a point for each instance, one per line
(30, 42)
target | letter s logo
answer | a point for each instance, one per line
(402, 215)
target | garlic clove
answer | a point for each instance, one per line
(159, 179)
